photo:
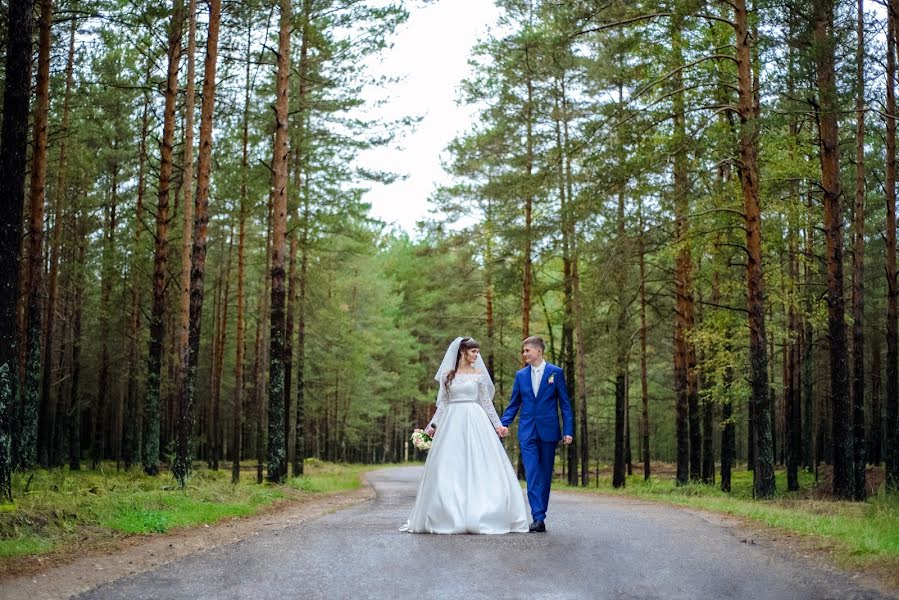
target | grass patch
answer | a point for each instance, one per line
(860, 532)
(336, 478)
(62, 506)
(23, 546)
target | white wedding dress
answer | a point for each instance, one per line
(468, 485)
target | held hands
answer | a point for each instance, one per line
(502, 431)
(430, 430)
(567, 440)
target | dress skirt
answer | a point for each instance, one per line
(468, 485)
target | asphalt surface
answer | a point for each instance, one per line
(595, 548)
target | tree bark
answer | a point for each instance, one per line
(566, 210)
(157, 328)
(763, 467)
(47, 424)
(133, 443)
(621, 351)
(216, 430)
(644, 380)
(289, 423)
(875, 435)
(527, 267)
(580, 362)
(858, 272)
(187, 210)
(686, 406)
(300, 449)
(728, 431)
(891, 456)
(260, 357)
(299, 434)
(277, 444)
(28, 455)
(237, 406)
(830, 184)
(792, 409)
(13, 150)
(808, 333)
(100, 408)
(182, 463)
(74, 416)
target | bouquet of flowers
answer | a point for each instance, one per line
(421, 440)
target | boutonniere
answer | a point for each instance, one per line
(551, 379)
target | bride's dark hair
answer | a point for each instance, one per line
(467, 343)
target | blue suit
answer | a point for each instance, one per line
(538, 429)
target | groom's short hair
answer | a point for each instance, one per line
(535, 341)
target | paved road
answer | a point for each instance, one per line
(596, 548)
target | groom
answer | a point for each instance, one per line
(539, 392)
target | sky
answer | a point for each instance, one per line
(430, 53)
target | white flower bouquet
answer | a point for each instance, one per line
(421, 440)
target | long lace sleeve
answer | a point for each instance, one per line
(486, 400)
(441, 405)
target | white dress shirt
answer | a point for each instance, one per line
(537, 375)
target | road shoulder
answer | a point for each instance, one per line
(63, 575)
(814, 551)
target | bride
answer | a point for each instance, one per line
(468, 484)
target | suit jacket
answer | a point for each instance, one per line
(540, 412)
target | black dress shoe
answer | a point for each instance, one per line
(537, 527)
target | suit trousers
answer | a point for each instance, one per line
(539, 459)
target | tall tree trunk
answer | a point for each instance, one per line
(289, 423)
(187, 211)
(100, 408)
(216, 430)
(300, 449)
(793, 444)
(28, 455)
(644, 381)
(259, 404)
(763, 468)
(708, 441)
(182, 463)
(566, 209)
(728, 431)
(47, 423)
(74, 417)
(527, 260)
(580, 366)
(891, 456)
(621, 349)
(157, 329)
(707, 413)
(277, 444)
(237, 406)
(526, 275)
(793, 342)
(13, 150)
(809, 431)
(260, 358)
(858, 272)
(132, 440)
(830, 183)
(687, 432)
(299, 433)
(875, 435)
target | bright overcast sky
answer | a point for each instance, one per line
(431, 53)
